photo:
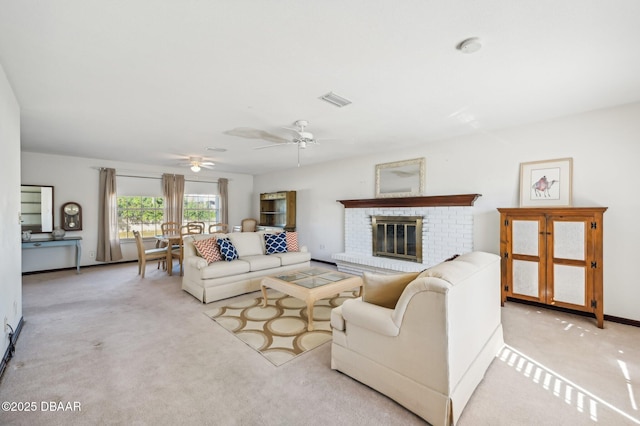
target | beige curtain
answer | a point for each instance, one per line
(173, 192)
(108, 239)
(223, 192)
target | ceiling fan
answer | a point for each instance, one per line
(302, 138)
(197, 163)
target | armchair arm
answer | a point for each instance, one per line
(369, 316)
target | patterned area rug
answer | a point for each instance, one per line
(278, 331)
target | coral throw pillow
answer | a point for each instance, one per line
(227, 249)
(385, 290)
(292, 241)
(275, 243)
(208, 249)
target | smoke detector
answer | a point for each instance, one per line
(470, 45)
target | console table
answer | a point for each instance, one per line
(50, 242)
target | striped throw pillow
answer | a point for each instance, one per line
(292, 241)
(208, 249)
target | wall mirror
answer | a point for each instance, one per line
(400, 178)
(36, 208)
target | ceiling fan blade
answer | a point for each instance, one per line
(274, 145)
(251, 133)
(207, 163)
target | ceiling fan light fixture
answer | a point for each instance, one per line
(195, 168)
(336, 100)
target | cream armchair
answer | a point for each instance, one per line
(431, 351)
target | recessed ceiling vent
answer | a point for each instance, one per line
(336, 100)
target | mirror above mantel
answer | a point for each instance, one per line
(36, 208)
(400, 178)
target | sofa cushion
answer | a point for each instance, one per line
(275, 243)
(224, 269)
(292, 241)
(227, 249)
(247, 243)
(293, 257)
(261, 261)
(385, 290)
(208, 249)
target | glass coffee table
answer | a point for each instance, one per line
(310, 285)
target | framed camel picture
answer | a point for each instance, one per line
(546, 183)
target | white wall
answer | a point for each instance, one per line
(11, 282)
(604, 144)
(76, 179)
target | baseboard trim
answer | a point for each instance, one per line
(611, 318)
(73, 268)
(619, 320)
(324, 261)
(8, 353)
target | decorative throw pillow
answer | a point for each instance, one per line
(292, 241)
(275, 243)
(385, 290)
(208, 249)
(227, 249)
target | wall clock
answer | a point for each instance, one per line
(71, 216)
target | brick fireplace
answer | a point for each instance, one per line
(447, 229)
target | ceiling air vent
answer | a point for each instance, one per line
(336, 100)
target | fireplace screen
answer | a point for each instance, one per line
(397, 237)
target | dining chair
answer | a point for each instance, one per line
(200, 224)
(218, 227)
(248, 225)
(170, 228)
(159, 254)
(178, 253)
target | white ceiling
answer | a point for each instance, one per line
(154, 80)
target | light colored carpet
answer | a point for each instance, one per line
(279, 330)
(140, 352)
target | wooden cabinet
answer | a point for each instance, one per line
(553, 256)
(278, 209)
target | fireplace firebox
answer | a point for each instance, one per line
(397, 237)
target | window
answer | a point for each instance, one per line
(140, 213)
(200, 208)
(145, 213)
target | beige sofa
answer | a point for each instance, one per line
(223, 279)
(432, 350)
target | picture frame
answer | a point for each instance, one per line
(400, 178)
(546, 183)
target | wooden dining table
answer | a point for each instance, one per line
(170, 240)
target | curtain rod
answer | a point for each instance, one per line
(156, 177)
(159, 178)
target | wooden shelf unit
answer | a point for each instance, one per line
(553, 256)
(278, 210)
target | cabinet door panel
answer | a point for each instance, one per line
(526, 278)
(525, 235)
(569, 284)
(569, 240)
